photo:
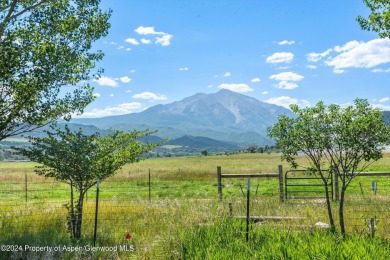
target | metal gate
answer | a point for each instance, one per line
(304, 184)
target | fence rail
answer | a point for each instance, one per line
(305, 187)
(278, 175)
(283, 182)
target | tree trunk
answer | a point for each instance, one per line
(79, 216)
(330, 215)
(72, 227)
(341, 211)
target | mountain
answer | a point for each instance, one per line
(223, 116)
(87, 129)
(200, 142)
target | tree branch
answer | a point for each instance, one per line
(27, 9)
(10, 17)
(7, 17)
(10, 11)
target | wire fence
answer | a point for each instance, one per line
(145, 215)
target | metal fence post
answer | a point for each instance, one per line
(230, 209)
(247, 209)
(281, 181)
(25, 185)
(372, 227)
(150, 198)
(96, 212)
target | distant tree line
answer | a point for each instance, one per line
(260, 149)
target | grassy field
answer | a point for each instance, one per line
(185, 219)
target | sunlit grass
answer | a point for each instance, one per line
(184, 200)
(226, 240)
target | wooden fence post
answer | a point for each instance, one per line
(281, 181)
(219, 182)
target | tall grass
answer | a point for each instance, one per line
(226, 240)
(184, 218)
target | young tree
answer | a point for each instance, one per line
(80, 160)
(45, 46)
(252, 148)
(379, 19)
(344, 141)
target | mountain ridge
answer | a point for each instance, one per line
(224, 116)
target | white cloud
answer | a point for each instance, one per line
(338, 71)
(241, 88)
(256, 80)
(286, 85)
(149, 96)
(121, 109)
(146, 31)
(111, 95)
(287, 101)
(282, 101)
(128, 49)
(164, 40)
(285, 42)
(125, 79)
(361, 55)
(287, 76)
(382, 107)
(146, 41)
(161, 38)
(285, 79)
(280, 57)
(128, 91)
(312, 67)
(106, 81)
(385, 99)
(345, 105)
(226, 74)
(210, 86)
(132, 41)
(96, 95)
(304, 103)
(264, 92)
(132, 71)
(111, 43)
(183, 69)
(314, 57)
(381, 70)
(348, 46)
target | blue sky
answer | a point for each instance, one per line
(281, 52)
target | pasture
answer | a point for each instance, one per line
(180, 216)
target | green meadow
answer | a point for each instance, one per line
(179, 215)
